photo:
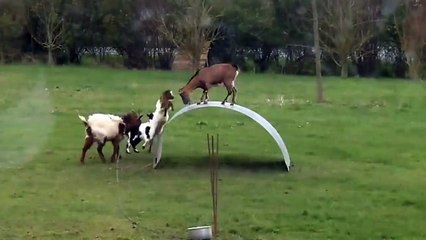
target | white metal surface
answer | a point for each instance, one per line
(158, 142)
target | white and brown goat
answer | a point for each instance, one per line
(102, 128)
(205, 78)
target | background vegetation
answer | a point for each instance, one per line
(357, 38)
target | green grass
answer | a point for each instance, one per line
(358, 173)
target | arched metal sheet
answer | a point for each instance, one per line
(158, 142)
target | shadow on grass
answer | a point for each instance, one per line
(250, 163)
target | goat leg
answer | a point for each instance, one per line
(150, 146)
(202, 97)
(113, 152)
(128, 143)
(116, 152)
(226, 98)
(128, 148)
(133, 143)
(134, 146)
(157, 131)
(149, 142)
(206, 99)
(101, 155)
(144, 144)
(136, 140)
(88, 142)
(234, 95)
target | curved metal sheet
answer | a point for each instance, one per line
(158, 143)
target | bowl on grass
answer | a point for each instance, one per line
(200, 233)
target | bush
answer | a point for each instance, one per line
(248, 65)
(385, 70)
(275, 67)
(301, 66)
(89, 60)
(62, 57)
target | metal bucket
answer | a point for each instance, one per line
(200, 233)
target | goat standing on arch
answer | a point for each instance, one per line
(218, 74)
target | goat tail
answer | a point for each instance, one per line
(83, 119)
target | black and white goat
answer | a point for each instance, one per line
(134, 135)
(155, 124)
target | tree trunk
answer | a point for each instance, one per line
(413, 71)
(195, 61)
(344, 67)
(49, 57)
(320, 91)
(49, 40)
(2, 60)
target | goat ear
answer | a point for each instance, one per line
(140, 117)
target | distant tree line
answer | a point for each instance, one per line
(356, 37)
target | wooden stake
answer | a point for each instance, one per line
(213, 164)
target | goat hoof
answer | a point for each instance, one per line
(198, 103)
(127, 151)
(223, 103)
(232, 104)
(135, 150)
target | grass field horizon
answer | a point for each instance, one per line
(358, 159)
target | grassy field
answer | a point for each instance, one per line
(359, 159)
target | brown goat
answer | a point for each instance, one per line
(205, 78)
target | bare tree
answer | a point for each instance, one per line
(320, 90)
(11, 28)
(412, 36)
(345, 26)
(191, 30)
(50, 31)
